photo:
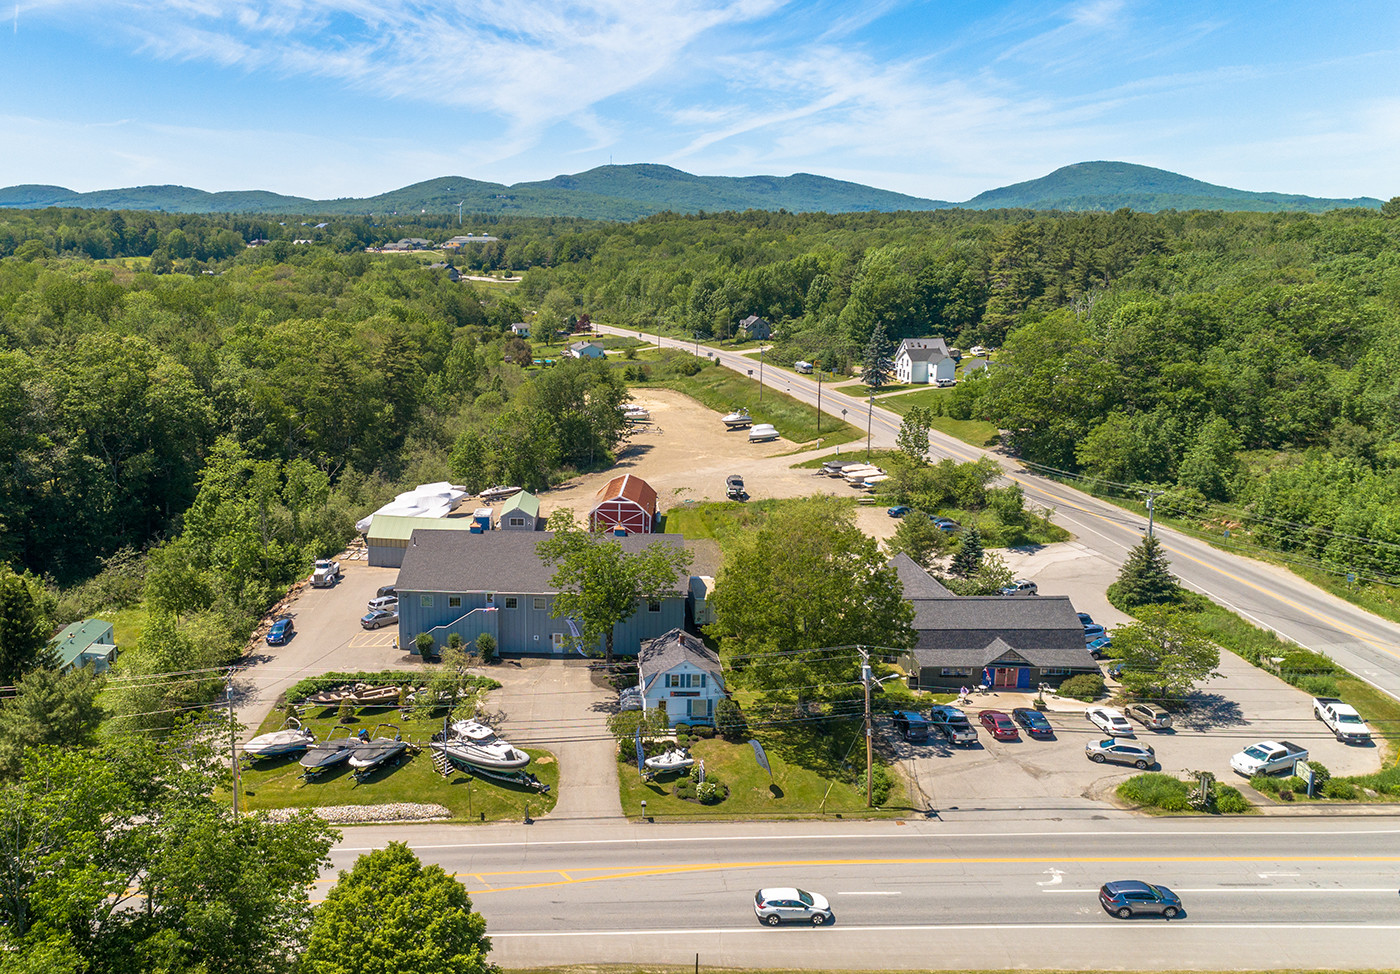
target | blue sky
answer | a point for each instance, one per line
(940, 99)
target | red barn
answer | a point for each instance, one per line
(626, 502)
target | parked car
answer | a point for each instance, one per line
(1022, 586)
(383, 603)
(945, 524)
(1112, 749)
(1128, 897)
(1110, 720)
(945, 383)
(1149, 715)
(1098, 647)
(630, 699)
(999, 725)
(953, 724)
(734, 487)
(899, 510)
(379, 618)
(1092, 631)
(1269, 757)
(1035, 723)
(386, 590)
(1086, 620)
(280, 632)
(791, 905)
(911, 726)
(980, 350)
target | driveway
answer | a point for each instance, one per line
(556, 705)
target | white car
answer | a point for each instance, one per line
(1110, 720)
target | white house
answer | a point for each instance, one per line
(920, 361)
(681, 675)
(586, 350)
(520, 330)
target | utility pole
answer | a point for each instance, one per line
(1152, 495)
(233, 748)
(869, 421)
(869, 740)
(819, 397)
(760, 372)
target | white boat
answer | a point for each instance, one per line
(835, 468)
(676, 759)
(857, 475)
(869, 482)
(291, 738)
(471, 742)
(763, 431)
(737, 420)
(498, 493)
(636, 414)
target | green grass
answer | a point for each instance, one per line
(277, 784)
(686, 968)
(974, 432)
(720, 518)
(793, 792)
(127, 624)
(725, 390)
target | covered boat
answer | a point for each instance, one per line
(327, 754)
(737, 420)
(377, 750)
(676, 759)
(291, 738)
(636, 414)
(498, 493)
(473, 743)
(763, 431)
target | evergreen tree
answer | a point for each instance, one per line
(23, 629)
(969, 555)
(879, 366)
(1146, 578)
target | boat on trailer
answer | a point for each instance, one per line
(473, 743)
(327, 754)
(289, 739)
(676, 759)
(492, 494)
(737, 420)
(376, 751)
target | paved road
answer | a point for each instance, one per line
(1268, 596)
(959, 894)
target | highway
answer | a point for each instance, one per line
(1284, 893)
(1270, 597)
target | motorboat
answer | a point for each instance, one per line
(834, 468)
(636, 414)
(331, 698)
(869, 482)
(473, 743)
(676, 759)
(492, 494)
(289, 739)
(375, 751)
(327, 754)
(763, 431)
(857, 475)
(737, 420)
(385, 696)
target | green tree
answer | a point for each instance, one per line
(1390, 209)
(1164, 654)
(486, 647)
(877, 365)
(23, 629)
(623, 727)
(968, 557)
(174, 583)
(49, 708)
(919, 538)
(804, 581)
(599, 585)
(423, 921)
(991, 576)
(1145, 578)
(914, 431)
(470, 462)
(1210, 464)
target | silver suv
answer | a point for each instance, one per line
(1119, 751)
(791, 905)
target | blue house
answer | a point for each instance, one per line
(496, 583)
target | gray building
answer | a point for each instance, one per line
(1007, 643)
(496, 583)
(521, 512)
(756, 328)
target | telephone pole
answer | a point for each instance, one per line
(1152, 495)
(819, 397)
(233, 748)
(869, 738)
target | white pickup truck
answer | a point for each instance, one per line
(1341, 719)
(327, 573)
(1268, 757)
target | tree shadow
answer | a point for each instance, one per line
(1211, 711)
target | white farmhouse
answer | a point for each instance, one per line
(921, 361)
(682, 676)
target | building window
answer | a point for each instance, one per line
(541, 603)
(1055, 671)
(653, 606)
(701, 708)
(490, 598)
(426, 601)
(957, 671)
(512, 602)
(516, 522)
(454, 601)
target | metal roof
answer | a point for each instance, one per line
(497, 561)
(629, 487)
(398, 527)
(523, 501)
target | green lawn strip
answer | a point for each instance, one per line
(974, 432)
(127, 624)
(725, 390)
(793, 791)
(277, 783)
(716, 520)
(1163, 794)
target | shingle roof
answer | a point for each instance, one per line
(923, 349)
(632, 488)
(918, 584)
(673, 648)
(523, 501)
(497, 561)
(1074, 659)
(976, 630)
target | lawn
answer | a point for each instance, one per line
(792, 792)
(725, 390)
(126, 624)
(975, 432)
(278, 783)
(720, 518)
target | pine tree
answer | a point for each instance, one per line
(969, 557)
(1146, 578)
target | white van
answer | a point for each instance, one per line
(804, 367)
(384, 603)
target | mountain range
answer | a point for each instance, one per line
(634, 191)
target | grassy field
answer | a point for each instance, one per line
(278, 783)
(725, 390)
(719, 519)
(975, 432)
(793, 791)
(127, 624)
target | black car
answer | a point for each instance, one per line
(385, 590)
(911, 726)
(1035, 723)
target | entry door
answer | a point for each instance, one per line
(556, 642)
(1005, 676)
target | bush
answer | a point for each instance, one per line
(1317, 686)
(710, 793)
(1085, 686)
(425, 644)
(486, 647)
(1230, 801)
(1266, 784)
(705, 731)
(1340, 790)
(1156, 790)
(880, 784)
(685, 788)
(730, 722)
(1320, 774)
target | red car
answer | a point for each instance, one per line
(999, 725)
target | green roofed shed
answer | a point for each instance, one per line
(520, 513)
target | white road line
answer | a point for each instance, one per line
(1138, 928)
(950, 836)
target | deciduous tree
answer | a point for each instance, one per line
(1163, 654)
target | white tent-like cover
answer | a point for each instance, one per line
(425, 500)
